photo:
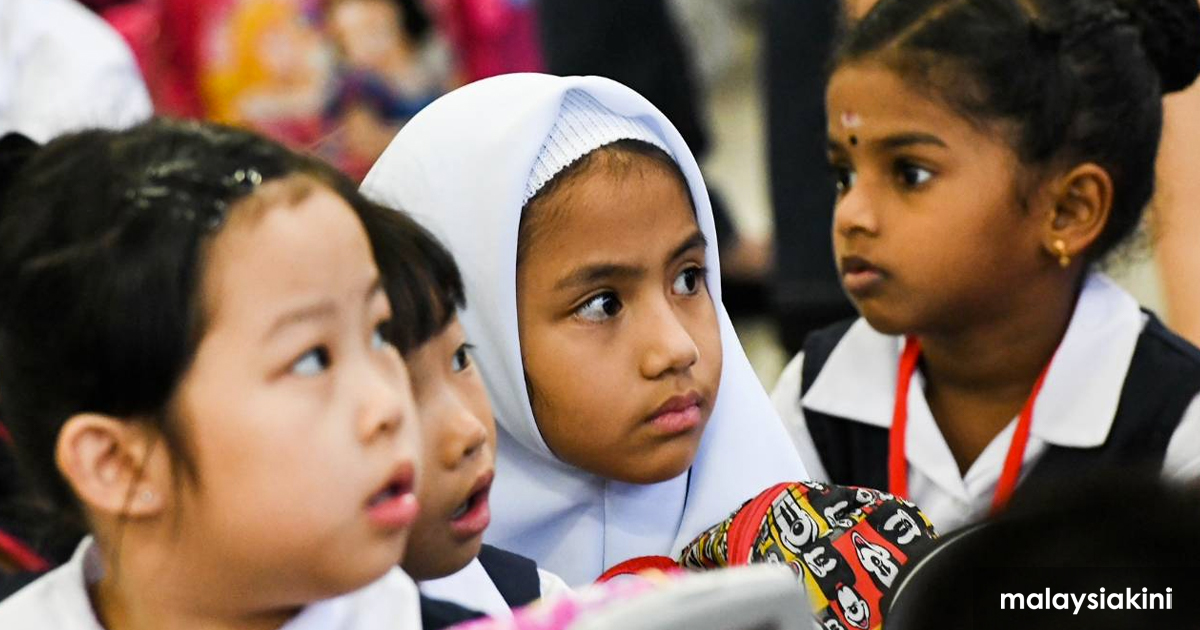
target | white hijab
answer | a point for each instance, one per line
(460, 168)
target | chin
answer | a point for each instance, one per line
(664, 466)
(443, 555)
(883, 322)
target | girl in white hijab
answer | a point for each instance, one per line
(629, 418)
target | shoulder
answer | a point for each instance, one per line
(495, 557)
(818, 345)
(41, 605)
(1168, 346)
(515, 576)
(786, 393)
(551, 584)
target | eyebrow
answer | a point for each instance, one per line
(695, 240)
(317, 311)
(897, 141)
(592, 274)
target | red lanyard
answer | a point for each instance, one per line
(898, 462)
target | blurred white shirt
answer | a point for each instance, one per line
(63, 68)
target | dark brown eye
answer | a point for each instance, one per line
(688, 281)
(462, 358)
(600, 308)
(911, 175)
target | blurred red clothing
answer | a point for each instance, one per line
(165, 38)
(491, 37)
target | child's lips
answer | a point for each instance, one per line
(474, 515)
(680, 414)
(859, 276)
(394, 506)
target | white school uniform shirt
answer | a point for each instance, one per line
(59, 601)
(63, 68)
(1075, 409)
(473, 589)
(461, 168)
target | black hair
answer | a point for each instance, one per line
(1114, 530)
(102, 246)
(1074, 80)
(618, 157)
(420, 277)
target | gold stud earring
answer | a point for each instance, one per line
(1064, 259)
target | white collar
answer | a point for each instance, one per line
(60, 599)
(471, 587)
(1078, 401)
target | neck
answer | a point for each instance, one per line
(1008, 351)
(978, 377)
(143, 591)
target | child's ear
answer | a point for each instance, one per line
(117, 468)
(1082, 202)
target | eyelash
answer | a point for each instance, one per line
(845, 177)
(602, 299)
(320, 354)
(903, 167)
(380, 337)
(462, 358)
(698, 273)
(608, 298)
(323, 358)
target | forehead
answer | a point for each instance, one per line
(871, 99)
(605, 207)
(286, 249)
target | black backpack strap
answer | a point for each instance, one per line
(437, 614)
(853, 453)
(1163, 379)
(515, 576)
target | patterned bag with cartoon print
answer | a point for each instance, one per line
(845, 544)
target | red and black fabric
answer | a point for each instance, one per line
(846, 545)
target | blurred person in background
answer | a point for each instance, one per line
(1176, 224)
(490, 37)
(384, 77)
(62, 69)
(798, 40)
(267, 68)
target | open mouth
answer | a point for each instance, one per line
(393, 490)
(470, 503)
(473, 515)
(395, 505)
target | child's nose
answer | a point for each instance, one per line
(669, 346)
(388, 401)
(854, 213)
(467, 435)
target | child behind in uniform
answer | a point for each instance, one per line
(630, 420)
(194, 369)
(445, 553)
(989, 155)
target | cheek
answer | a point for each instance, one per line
(576, 390)
(705, 330)
(429, 437)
